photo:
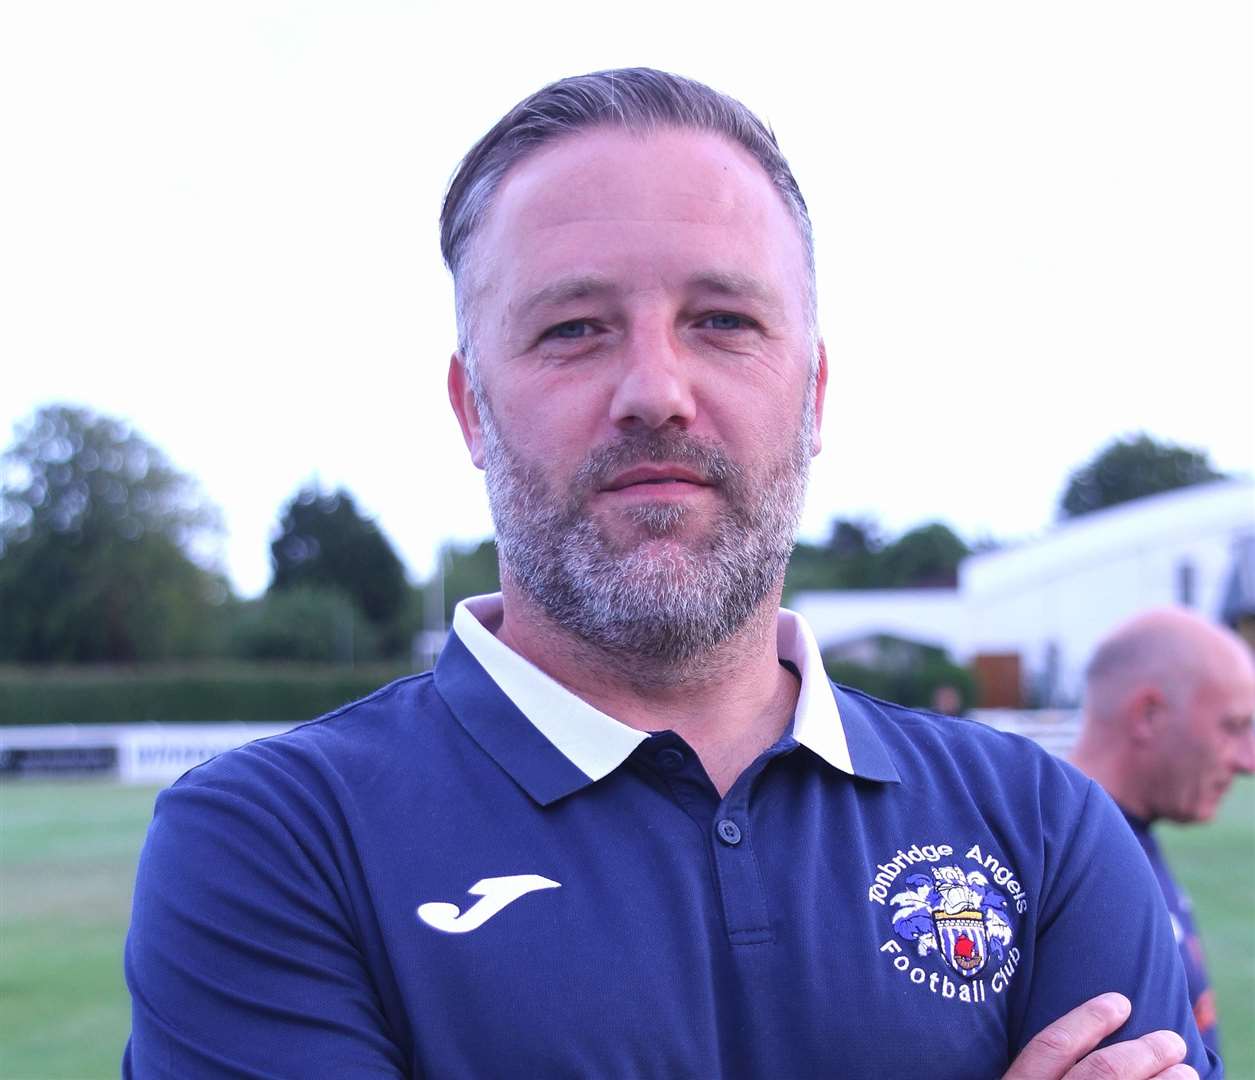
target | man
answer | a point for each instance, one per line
(1169, 702)
(627, 827)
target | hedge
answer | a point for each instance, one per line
(273, 693)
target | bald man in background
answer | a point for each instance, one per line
(1169, 702)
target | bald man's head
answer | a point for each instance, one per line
(1169, 701)
(1168, 648)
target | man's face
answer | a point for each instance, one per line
(1214, 742)
(640, 319)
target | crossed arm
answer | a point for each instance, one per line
(1065, 1049)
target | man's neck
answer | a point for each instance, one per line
(729, 704)
(1108, 765)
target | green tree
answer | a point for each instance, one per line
(905, 672)
(469, 571)
(325, 542)
(857, 556)
(306, 623)
(96, 528)
(848, 560)
(927, 556)
(1131, 468)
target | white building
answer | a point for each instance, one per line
(1050, 600)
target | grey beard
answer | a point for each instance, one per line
(671, 607)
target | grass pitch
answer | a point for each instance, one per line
(1216, 864)
(67, 867)
(67, 864)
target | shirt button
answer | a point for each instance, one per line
(728, 832)
(670, 759)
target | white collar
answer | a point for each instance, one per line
(597, 744)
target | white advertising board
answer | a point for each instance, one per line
(134, 753)
(160, 754)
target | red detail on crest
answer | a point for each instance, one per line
(963, 946)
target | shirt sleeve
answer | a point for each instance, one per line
(242, 957)
(1103, 926)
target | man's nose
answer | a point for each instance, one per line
(1246, 752)
(655, 382)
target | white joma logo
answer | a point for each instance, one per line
(496, 893)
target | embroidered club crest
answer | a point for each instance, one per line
(959, 922)
(954, 919)
(955, 914)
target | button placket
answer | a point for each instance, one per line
(740, 884)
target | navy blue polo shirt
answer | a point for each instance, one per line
(474, 873)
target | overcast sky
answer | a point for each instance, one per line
(218, 221)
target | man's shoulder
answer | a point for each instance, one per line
(938, 755)
(996, 798)
(398, 721)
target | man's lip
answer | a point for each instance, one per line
(654, 474)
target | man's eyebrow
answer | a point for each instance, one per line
(565, 290)
(733, 284)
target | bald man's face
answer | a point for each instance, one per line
(1207, 740)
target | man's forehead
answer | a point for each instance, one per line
(1230, 660)
(690, 205)
(619, 175)
(1227, 680)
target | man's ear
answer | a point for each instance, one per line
(1144, 712)
(821, 386)
(466, 408)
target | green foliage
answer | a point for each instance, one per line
(904, 672)
(1132, 468)
(324, 542)
(847, 561)
(314, 625)
(95, 530)
(926, 557)
(857, 556)
(469, 571)
(208, 693)
(326, 547)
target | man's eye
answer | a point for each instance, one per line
(576, 328)
(723, 321)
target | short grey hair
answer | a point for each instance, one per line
(637, 99)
